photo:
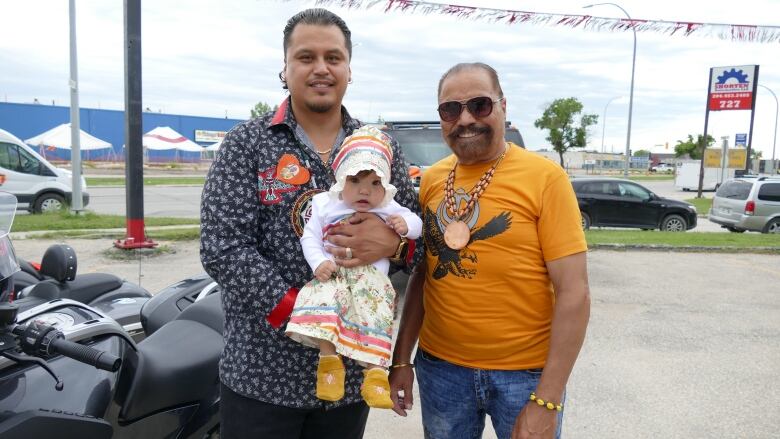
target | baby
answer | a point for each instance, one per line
(349, 311)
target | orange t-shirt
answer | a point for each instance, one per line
(490, 305)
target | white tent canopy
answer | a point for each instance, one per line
(59, 137)
(162, 138)
(214, 146)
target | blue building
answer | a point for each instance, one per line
(28, 120)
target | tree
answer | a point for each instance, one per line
(260, 109)
(694, 149)
(559, 119)
(642, 153)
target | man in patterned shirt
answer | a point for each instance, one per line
(255, 202)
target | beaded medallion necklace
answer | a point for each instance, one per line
(457, 233)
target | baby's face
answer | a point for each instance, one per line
(363, 192)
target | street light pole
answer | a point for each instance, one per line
(604, 121)
(774, 143)
(631, 93)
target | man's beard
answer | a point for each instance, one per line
(471, 148)
(319, 107)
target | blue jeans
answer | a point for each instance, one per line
(455, 399)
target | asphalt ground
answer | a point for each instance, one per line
(680, 345)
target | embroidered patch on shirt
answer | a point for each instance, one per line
(271, 189)
(290, 171)
(301, 211)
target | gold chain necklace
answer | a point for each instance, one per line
(324, 152)
(457, 233)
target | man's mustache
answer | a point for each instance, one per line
(474, 128)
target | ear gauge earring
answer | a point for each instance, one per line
(283, 79)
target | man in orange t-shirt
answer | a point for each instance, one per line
(501, 302)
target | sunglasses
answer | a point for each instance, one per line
(479, 107)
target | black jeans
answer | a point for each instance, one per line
(246, 418)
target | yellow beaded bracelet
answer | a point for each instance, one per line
(546, 404)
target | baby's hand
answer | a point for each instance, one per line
(325, 270)
(398, 224)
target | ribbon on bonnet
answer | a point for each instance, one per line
(367, 149)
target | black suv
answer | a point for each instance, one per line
(423, 144)
(614, 202)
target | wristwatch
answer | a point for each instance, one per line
(399, 258)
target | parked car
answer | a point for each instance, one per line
(662, 167)
(614, 202)
(748, 203)
(423, 144)
(37, 184)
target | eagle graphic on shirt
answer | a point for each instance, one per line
(449, 260)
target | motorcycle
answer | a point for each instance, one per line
(69, 369)
(55, 278)
(132, 306)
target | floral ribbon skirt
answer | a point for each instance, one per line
(353, 310)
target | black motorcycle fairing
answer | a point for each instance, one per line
(26, 276)
(46, 423)
(169, 302)
(24, 279)
(44, 290)
(33, 388)
(28, 303)
(208, 312)
(178, 363)
(28, 269)
(171, 423)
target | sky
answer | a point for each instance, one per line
(219, 58)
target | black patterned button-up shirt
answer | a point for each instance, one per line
(254, 200)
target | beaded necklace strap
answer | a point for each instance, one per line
(474, 193)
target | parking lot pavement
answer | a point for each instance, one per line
(679, 344)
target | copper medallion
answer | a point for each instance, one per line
(457, 235)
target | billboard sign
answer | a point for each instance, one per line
(712, 158)
(737, 158)
(732, 88)
(207, 136)
(740, 140)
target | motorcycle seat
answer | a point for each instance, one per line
(179, 363)
(85, 288)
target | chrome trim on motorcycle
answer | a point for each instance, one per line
(206, 290)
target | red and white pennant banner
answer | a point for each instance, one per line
(736, 32)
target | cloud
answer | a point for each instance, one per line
(210, 59)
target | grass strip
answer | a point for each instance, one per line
(182, 234)
(682, 240)
(661, 177)
(65, 220)
(702, 204)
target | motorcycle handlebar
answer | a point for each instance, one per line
(85, 354)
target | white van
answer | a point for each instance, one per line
(38, 184)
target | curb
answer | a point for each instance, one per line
(684, 249)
